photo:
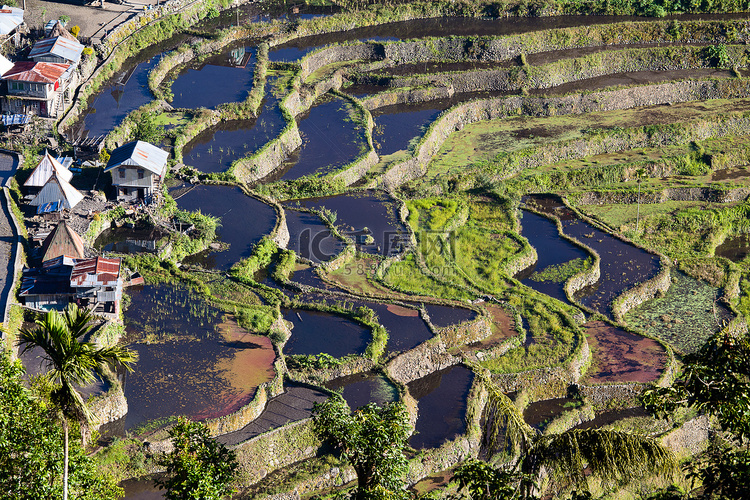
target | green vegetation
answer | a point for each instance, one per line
(32, 464)
(199, 466)
(561, 272)
(685, 317)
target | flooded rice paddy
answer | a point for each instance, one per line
(193, 360)
(229, 75)
(244, 221)
(129, 241)
(622, 356)
(316, 332)
(310, 238)
(623, 265)
(442, 399)
(735, 248)
(548, 274)
(331, 138)
(216, 148)
(369, 218)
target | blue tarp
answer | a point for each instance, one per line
(53, 206)
(9, 120)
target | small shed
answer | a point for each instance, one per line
(62, 241)
(137, 169)
(57, 50)
(97, 284)
(58, 190)
(44, 170)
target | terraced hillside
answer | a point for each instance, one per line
(426, 210)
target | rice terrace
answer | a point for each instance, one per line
(505, 241)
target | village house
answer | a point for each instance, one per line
(93, 283)
(60, 50)
(56, 194)
(137, 170)
(36, 88)
(47, 167)
(62, 241)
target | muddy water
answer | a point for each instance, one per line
(735, 248)
(370, 218)
(442, 316)
(621, 356)
(442, 406)
(310, 238)
(551, 249)
(331, 138)
(363, 388)
(318, 332)
(191, 361)
(223, 77)
(244, 220)
(141, 489)
(541, 413)
(126, 240)
(623, 265)
(214, 149)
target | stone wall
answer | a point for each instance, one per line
(600, 395)
(462, 333)
(690, 438)
(639, 294)
(426, 358)
(711, 194)
(277, 449)
(109, 407)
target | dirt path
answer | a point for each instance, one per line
(8, 236)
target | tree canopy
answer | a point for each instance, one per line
(31, 448)
(372, 439)
(199, 467)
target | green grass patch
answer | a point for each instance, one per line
(560, 273)
(406, 276)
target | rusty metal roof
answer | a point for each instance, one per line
(62, 241)
(69, 50)
(95, 272)
(140, 154)
(36, 72)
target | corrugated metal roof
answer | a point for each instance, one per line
(69, 50)
(36, 72)
(47, 166)
(10, 19)
(95, 272)
(141, 154)
(57, 189)
(62, 241)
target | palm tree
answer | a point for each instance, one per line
(610, 456)
(72, 363)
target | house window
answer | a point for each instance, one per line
(16, 86)
(122, 172)
(140, 173)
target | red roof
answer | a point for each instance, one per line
(37, 72)
(98, 271)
